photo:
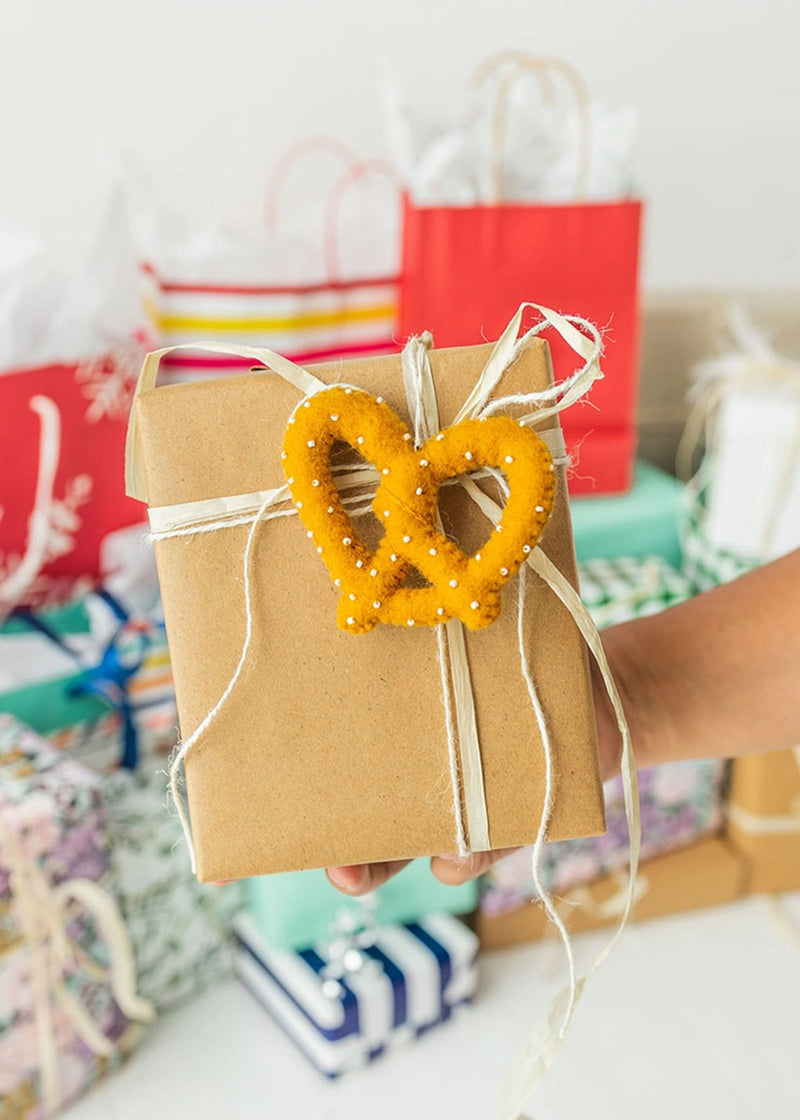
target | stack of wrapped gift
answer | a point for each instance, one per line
(93, 678)
(179, 928)
(681, 808)
(749, 395)
(351, 998)
(403, 962)
(66, 1013)
(299, 908)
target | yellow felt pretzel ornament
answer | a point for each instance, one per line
(371, 583)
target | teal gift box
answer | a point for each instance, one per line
(298, 908)
(643, 522)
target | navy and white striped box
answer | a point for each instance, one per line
(346, 1008)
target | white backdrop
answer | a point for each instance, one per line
(205, 93)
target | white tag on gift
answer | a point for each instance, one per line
(754, 496)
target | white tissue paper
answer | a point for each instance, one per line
(449, 162)
(319, 282)
(48, 314)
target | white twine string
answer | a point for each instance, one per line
(547, 806)
(44, 914)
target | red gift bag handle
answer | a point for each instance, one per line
(543, 69)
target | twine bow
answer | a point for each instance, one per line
(45, 913)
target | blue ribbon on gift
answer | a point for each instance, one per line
(108, 679)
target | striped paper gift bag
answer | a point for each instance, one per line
(321, 311)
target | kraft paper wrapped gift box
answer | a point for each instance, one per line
(332, 748)
(709, 873)
(764, 818)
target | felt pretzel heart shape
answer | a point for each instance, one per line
(406, 501)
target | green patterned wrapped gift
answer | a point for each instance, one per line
(627, 587)
(705, 564)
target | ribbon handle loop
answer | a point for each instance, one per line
(135, 480)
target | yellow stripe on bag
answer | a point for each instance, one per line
(287, 322)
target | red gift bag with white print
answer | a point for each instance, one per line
(466, 267)
(62, 487)
(310, 296)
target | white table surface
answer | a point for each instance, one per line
(694, 1017)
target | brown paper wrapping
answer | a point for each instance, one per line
(332, 748)
(708, 873)
(767, 787)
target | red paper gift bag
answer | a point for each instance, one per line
(62, 489)
(467, 268)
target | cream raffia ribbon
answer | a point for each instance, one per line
(752, 364)
(211, 516)
(45, 912)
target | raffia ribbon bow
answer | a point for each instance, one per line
(45, 912)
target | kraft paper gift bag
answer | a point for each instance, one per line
(329, 747)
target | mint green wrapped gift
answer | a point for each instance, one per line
(643, 522)
(297, 908)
